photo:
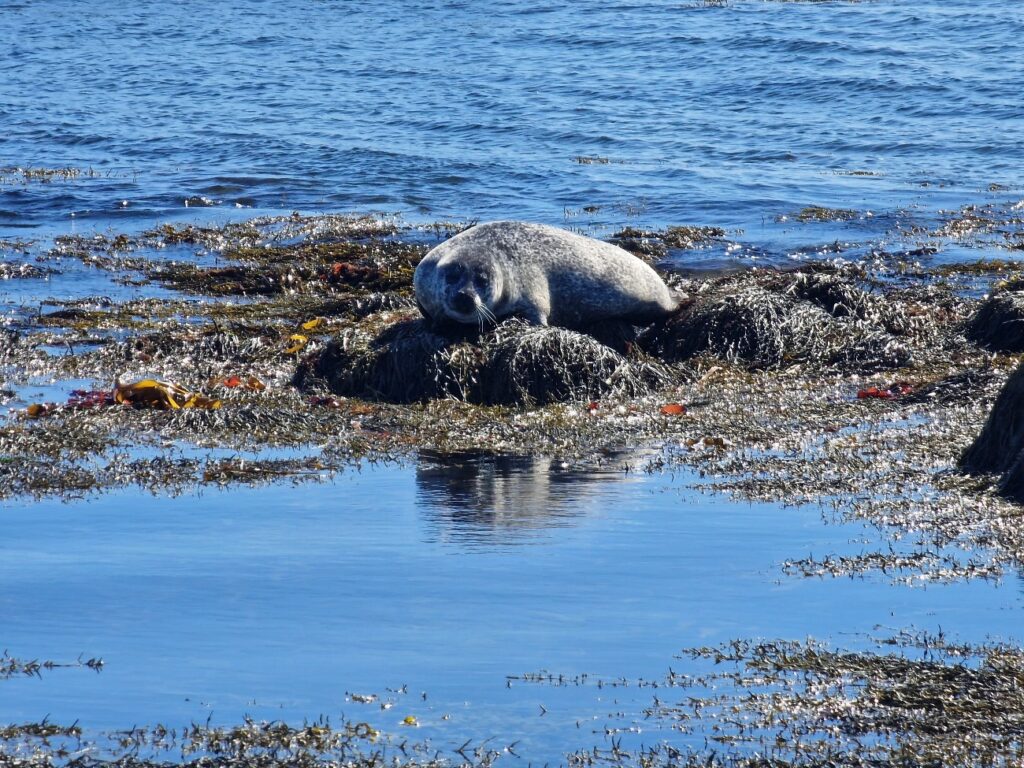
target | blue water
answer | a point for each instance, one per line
(727, 116)
(443, 578)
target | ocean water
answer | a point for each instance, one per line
(681, 113)
(443, 577)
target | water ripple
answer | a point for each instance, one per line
(468, 108)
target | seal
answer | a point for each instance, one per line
(543, 274)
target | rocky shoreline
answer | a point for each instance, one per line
(858, 387)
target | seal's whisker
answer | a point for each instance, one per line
(487, 314)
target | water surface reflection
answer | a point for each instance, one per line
(482, 498)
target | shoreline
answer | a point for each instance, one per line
(793, 426)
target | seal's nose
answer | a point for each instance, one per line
(463, 302)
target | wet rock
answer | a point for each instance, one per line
(513, 364)
(999, 323)
(773, 325)
(999, 448)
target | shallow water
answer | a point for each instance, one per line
(449, 575)
(444, 577)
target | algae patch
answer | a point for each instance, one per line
(914, 699)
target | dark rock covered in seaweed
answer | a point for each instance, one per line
(999, 322)
(540, 365)
(838, 297)
(406, 363)
(749, 327)
(778, 321)
(999, 448)
(1011, 484)
(956, 388)
(513, 364)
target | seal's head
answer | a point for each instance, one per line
(469, 289)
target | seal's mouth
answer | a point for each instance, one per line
(470, 310)
(470, 317)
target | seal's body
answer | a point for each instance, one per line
(543, 274)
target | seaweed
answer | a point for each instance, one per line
(248, 744)
(513, 364)
(753, 384)
(1002, 437)
(405, 363)
(656, 243)
(536, 366)
(804, 704)
(25, 175)
(12, 667)
(998, 323)
(821, 213)
(770, 322)
(312, 268)
(9, 271)
(990, 224)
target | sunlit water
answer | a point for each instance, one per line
(446, 577)
(443, 578)
(724, 116)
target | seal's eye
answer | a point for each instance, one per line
(482, 279)
(452, 276)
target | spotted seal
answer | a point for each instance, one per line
(542, 274)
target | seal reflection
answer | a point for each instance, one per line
(479, 498)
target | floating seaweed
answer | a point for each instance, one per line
(821, 213)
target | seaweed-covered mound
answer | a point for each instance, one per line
(1011, 484)
(999, 448)
(513, 364)
(527, 364)
(774, 320)
(999, 322)
(405, 363)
